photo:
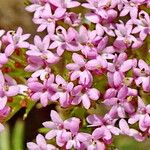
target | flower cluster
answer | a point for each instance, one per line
(10, 43)
(88, 57)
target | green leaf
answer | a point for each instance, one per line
(79, 112)
(15, 105)
(43, 130)
(128, 143)
(100, 82)
(30, 105)
(5, 139)
(18, 136)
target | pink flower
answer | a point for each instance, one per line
(64, 40)
(130, 7)
(119, 103)
(64, 4)
(84, 95)
(40, 144)
(125, 38)
(14, 40)
(98, 7)
(90, 142)
(107, 28)
(58, 128)
(41, 89)
(40, 51)
(91, 42)
(97, 65)
(74, 142)
(142, 75)
(79, 71)
(143, 25)
(63, 91)
(8, 88)
(119, 67)
(104, 129)
(47, 19)
(130, 132)
(72, 19)
(142, 116)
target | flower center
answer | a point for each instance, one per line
(89, 44)
(49, 20)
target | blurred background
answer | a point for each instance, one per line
(19, 131)
(13, 15)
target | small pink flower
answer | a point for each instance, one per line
(130, 132)
(40, 144)
(14, 40)
(40, 52)
(79, 71)
(58, 128)
(142, 116)
(142, 75)
(125, 38)
(99, 12)
(119, 102)
(42, 89)
(64, 4)
(90, 142)
(63, 91)
(47, 18)
(64, 40)
(143, 25)
(84, 95)
(8, 88)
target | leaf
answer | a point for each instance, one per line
(15, 105)
(18, 136)
(128, 143)
(5, 139)
(79, 112)
(43, 130)
(30, 105)
(100, 82)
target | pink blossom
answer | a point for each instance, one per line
(104, 129)
(42, 89)
(91, 42)
(8, 88)
(59, 128)
(119, 103)
(47, 19)
(84, 95)
(79, 71)
(98, 7)
(130, 7)
(63, 91)
(90, 142)
(130, 131)
(142, 75)
(72, 19)
(64, 40)
(142, 116)
(40, 51)
(14, 40)
(125, 38)
(98, 65)
(64, 4)
(40, 144)
(143, 25)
